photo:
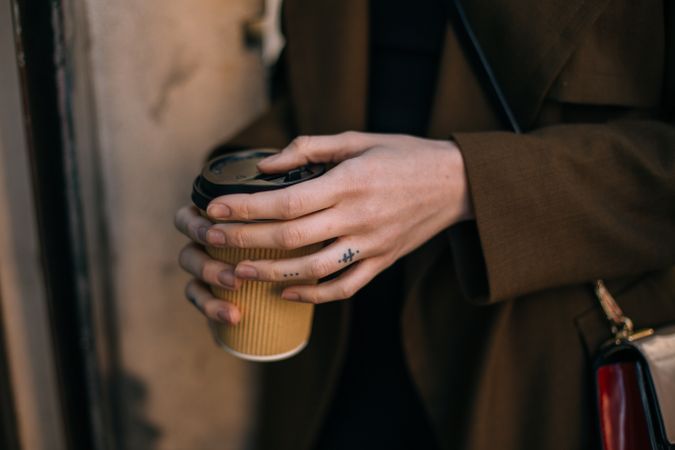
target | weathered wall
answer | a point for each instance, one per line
(171, 78)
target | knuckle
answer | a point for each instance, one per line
(236, 238)
(184, 257)
(302, 143)
(193, 229)
(209, 271)
(312, 297)
(209, 309)
(350, 136)
(292, 205)
(344, 291)
(290, 237)
(271, 273)
(182, 225)
(178, 218)
(242, 210)
(319, 268)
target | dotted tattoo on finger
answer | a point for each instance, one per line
(348, 256)
(291, 275)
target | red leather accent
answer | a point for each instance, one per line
(623, 425)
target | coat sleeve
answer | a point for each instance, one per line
(566, 204)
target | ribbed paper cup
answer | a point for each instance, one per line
(271, 328)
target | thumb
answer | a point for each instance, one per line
(304, 150)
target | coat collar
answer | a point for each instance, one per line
(527, 43)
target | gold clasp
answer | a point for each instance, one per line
(622, 326)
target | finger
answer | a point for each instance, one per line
(194, 260)
(189, 222)
(286, 235)
(316, 149)
(340, 288)
(327, 261)
(214, 308)
(283, 204)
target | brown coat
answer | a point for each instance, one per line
(501, 357)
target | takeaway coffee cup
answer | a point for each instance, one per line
(271, 328)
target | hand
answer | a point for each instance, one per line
(206, 271)
(387, 195)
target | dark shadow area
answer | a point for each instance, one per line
(136, 431)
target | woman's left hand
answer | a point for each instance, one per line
(387, 195)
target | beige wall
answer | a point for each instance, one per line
(170, 79)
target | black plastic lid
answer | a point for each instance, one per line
(236, 173)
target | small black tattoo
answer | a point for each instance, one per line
(286, 275)
(348, 256)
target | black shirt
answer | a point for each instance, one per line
(375, 404)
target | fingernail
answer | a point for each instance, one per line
(246, 272)
(218, 211)
(290, 296)
(223, 316)
(201, 233)
(227, 316)
(226, 278)
(215, 237)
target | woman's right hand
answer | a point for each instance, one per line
(206, 270)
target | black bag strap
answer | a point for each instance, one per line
(481, 64)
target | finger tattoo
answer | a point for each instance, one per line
(348, 256)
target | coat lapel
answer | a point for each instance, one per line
(527, 43)
(328, 52)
